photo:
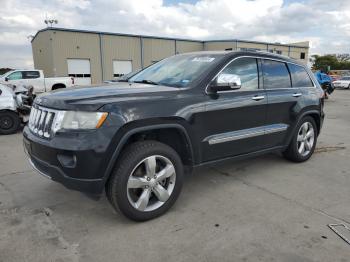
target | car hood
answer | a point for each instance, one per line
(91, 98)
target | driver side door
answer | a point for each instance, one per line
(235, 119)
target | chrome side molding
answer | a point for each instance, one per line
(245, 133)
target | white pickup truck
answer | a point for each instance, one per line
(36, 79)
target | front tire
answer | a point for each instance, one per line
(303, 142)
(146, 181)
(9, 122)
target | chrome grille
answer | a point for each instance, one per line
(41, 120)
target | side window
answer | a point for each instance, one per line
(300, 77)
(247, 70)
(31, 74)
(15, 76)
(276, 74)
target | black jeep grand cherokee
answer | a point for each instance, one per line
(134, 138)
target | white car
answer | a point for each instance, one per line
(36, 79)
(343, 82)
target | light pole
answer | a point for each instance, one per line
(50, 22)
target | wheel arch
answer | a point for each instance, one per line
(58, 86)
(315, 114)
(187, 156)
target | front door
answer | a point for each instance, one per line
(234, 120)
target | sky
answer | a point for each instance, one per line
(325, 23)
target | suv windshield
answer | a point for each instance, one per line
(345, 78)
(176, 71)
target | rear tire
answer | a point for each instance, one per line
(146, 181)
(303, 142)
(9, 122)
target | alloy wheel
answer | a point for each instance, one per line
(305, 139)
(151, 183)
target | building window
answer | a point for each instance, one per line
(279, 52)
(302, 55)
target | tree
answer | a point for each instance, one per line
(323, 62)
(4, 70)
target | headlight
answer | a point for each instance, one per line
(78, 120)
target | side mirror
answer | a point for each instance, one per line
(225, 82)
(6, 79)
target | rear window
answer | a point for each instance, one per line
(300, 78)
(276, 74)
(30, 74)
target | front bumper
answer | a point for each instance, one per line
(77, 162)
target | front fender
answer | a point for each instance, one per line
(123, 135)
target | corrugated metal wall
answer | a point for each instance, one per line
(42, 53)
(296, 51)
(188, 46)
(156, 49)
(52, 48)
(251, 46)
(76, 45)
(123, 48)
(212, 46)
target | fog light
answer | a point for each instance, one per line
(67, 161)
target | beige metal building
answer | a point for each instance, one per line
(92, 57)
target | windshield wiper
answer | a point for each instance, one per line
(145, 81)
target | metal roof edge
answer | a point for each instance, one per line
(159, 37)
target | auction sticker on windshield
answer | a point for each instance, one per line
(204, 59)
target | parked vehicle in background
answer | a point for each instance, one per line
(36, 79)
(135, 138)
(326, 83)
(335, 77)
(15, 106)
(343, 82)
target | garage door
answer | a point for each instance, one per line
(80, 70)
(121, 68)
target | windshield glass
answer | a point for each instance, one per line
(176, 71)
(345, 78)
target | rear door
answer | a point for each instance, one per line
(284, 101)
(234, 120)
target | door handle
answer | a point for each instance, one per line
(297, 94)
(257, 98)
